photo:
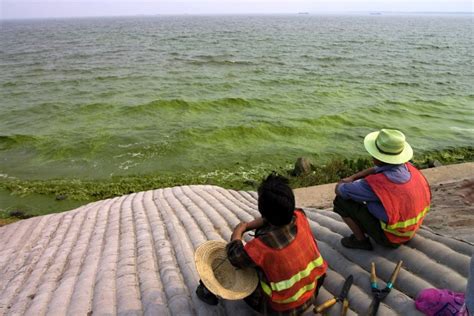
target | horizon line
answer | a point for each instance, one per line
(371, 12)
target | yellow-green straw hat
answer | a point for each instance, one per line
(220, 276)
(389, 146)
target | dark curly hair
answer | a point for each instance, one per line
(276, 201)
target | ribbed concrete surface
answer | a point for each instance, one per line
(133, 255)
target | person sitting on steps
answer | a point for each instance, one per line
(283, 250)
(387, 202)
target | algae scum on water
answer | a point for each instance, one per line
(26, 198)
(202, 97)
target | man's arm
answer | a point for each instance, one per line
(256, 223)
(359, 175)
(239, 231)
(242, 227)
(236, 253)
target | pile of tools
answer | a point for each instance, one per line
(379, 294)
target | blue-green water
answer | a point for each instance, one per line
(90, 98)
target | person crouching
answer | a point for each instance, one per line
(387, 202)
(283, 250)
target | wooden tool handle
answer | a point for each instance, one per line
(325, 305)
(373, 276)
(395, 273)
(345, 307)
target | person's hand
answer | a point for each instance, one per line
(239, 230)
(347, 180)
(342, 181)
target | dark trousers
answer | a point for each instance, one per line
(360, 214)
(258, 301)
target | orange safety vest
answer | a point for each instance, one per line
(406, 204)
(292, 272)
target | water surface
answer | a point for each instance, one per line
(90, 98)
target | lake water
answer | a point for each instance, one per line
(90, 98)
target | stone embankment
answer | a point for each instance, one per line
(133, 255)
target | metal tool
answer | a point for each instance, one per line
(380, 295)
(341, 298)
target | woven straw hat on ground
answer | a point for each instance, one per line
(220, 276)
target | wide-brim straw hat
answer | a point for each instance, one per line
(389, 146)
(220, 276)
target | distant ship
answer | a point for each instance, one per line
(303, 12)
(375, 13)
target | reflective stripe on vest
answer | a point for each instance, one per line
(406, 204)
(410, 222)
(291, 299)
(291, 273)
(286, 284)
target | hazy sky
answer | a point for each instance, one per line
(68, 8)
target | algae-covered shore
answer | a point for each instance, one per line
(223, 103)
(22, 198)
